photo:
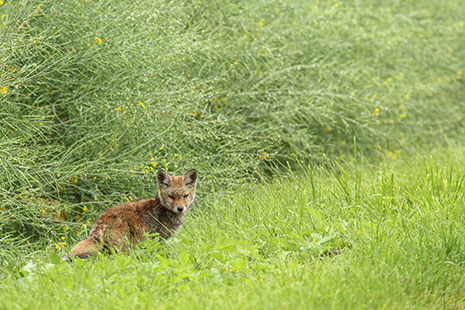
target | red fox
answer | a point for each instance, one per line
(121, 226)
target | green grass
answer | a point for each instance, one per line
(348, 237)
(235, 87)
(95, 96)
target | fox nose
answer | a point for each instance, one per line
(180, 209)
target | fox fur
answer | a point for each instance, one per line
(121, 226)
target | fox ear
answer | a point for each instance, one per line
(163, 178)
(190, 178)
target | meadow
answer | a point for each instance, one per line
(377, 237)
(328, 136)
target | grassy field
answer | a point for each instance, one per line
(96, 96)
(344, 237)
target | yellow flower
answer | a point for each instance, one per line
(95, 197)
(1, 2)
(98, 40)
(180, 156)
(264, 155)
(376, 113)
(141, 104)
(84, 209)
(3, 16)
(403, 112)
(3, 90)
(458, 75)
(175, 166)
(393, 155)
(58, 247)
(63, 238)
(118, 109)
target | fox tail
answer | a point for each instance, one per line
(83, 249)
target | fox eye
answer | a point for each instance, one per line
(171, 196)
(185, 196)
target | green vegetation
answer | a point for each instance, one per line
(95, 96)
(352, 238)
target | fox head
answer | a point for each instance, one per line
(177, 193)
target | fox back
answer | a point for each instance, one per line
(121, 226)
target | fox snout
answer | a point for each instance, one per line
(178, 205)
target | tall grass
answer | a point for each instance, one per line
(98, 95)
(342, 237)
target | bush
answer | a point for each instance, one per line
(96, 96)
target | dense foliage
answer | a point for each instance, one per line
(96, 96)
